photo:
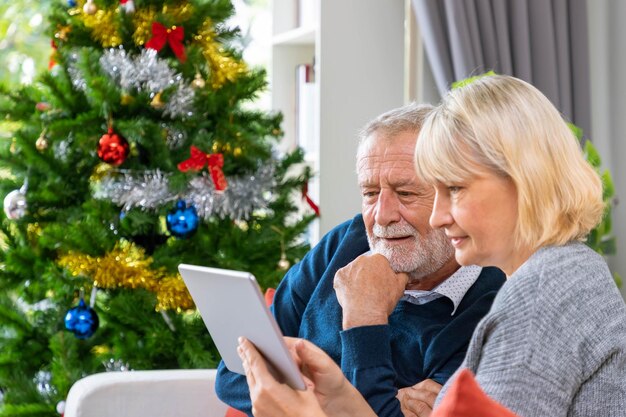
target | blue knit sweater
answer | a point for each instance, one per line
(420, 341)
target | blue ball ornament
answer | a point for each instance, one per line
(71, 3)
(82, 320)
(183, 220)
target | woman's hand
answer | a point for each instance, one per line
(328, 393)
(271, 398)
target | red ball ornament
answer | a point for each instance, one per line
(113, 148)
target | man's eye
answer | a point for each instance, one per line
(454, 189)
(370, 193)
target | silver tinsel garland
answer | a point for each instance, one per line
(145, 72)
(147, 190)
(150, 190)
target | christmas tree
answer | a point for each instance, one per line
(138, 150)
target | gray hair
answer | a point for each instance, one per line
(408, 118)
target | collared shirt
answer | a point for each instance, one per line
(453, 288)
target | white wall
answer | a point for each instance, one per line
(607, 38)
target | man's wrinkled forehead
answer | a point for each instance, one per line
(380, 145)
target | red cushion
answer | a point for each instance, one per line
(465, 398)
(233, 412)
(269, 296)
(269, 299)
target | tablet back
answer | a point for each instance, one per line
(231, 305)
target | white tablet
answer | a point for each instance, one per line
(231, 305)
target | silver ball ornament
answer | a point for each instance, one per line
(15, 205)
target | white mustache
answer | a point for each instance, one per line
(393, 231)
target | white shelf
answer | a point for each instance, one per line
(358, 50)
(298, 36)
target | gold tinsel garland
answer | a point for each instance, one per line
(103, 24)
(127, 266)
(223, 67)
(142, 19)
(105, 29)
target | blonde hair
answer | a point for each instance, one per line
(505, 125)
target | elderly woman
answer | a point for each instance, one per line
(514, 191)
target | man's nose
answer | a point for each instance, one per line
(387, 208)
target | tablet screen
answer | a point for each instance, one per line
(231, 305)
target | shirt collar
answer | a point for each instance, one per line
(454, 288)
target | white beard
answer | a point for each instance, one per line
(419, 257)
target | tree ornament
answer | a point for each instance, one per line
(15, 204)
(306, 197)
(156, 102)
(82, 320)
(198, 82)
(42, 142)
(71, 3)
(52, 62)
(90, 8)
(43, 106)
(62, 33)
(61, 407)
(214, 161)
(183, 220)
(283, 263)
(173, 36)
(113, 148)
(126, 99)
(128, 6)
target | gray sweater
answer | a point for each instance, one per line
(554, 342)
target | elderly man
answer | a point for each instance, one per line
(396, 339)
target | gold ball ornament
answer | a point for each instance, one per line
(283, 263)
(126, 99)
(62, 33)
(156, 102)
(198, 82)
(42, 143)
(237, 151)
(90, 8)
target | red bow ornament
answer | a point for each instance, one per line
(309, 200)
(174, 37)
(52, 61)
(215, 162)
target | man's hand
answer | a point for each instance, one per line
(419, 400)
(368, 290)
